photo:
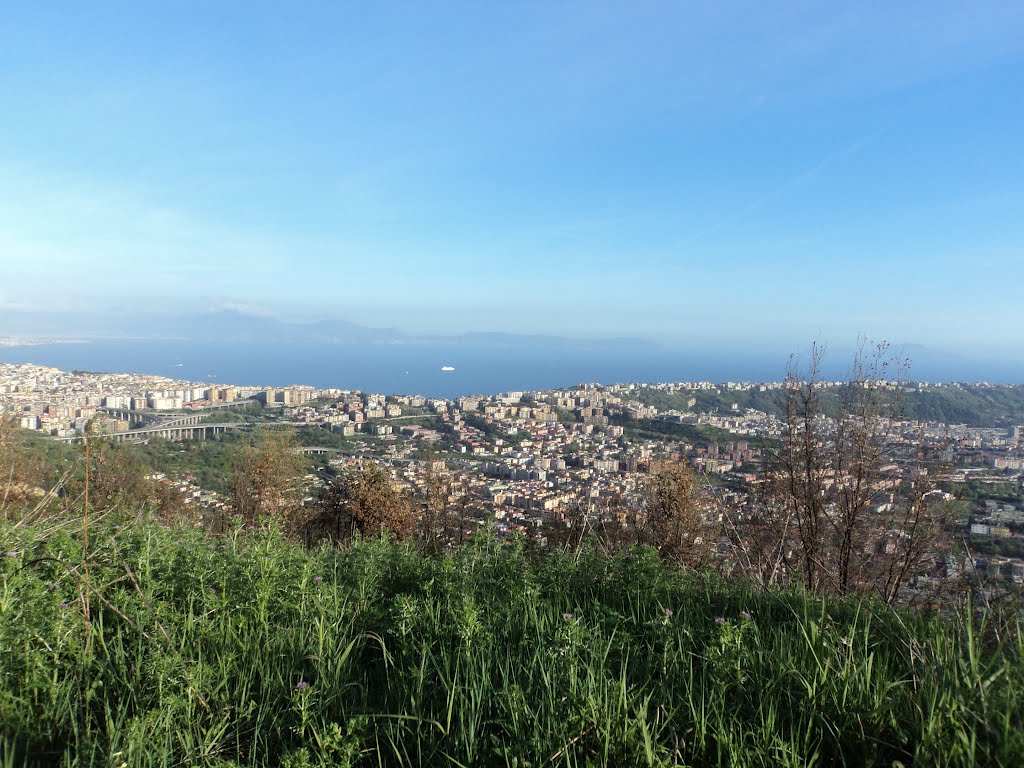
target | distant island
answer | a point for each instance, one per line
(233, 325)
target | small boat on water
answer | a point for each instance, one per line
(447, 368)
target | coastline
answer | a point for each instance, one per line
(36, 341)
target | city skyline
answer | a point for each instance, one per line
(734, 175)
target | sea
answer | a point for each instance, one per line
(408, 368)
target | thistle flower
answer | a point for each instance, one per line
(301, 685)
(745, 614)
(668, 612)
(720, 620)
(567, 616)
(318, 579)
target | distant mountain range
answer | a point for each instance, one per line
(234, 325)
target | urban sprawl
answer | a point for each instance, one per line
(518, 458)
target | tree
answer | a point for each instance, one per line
(363, 501)
(20, 470)
(438, 489)
(117, 475)
(673, 521)
(843, 506)
(267, 476)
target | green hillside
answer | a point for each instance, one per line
(972, 404)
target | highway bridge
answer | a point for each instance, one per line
(184, 429)
(315, 450)
(158, 417)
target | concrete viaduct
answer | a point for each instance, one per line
(157, 417)
(187, 428)
(322, 451)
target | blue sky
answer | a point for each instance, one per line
(715, 172)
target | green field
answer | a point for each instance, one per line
(249, 650)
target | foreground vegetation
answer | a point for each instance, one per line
(173, 648)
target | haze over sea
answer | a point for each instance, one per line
(415, 368)
(735, 177)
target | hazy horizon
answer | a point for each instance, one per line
(482, 364)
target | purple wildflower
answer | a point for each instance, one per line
(567, 616)
(745, 614)
(302, 685)
(668, 612)
(318, 579)
(65, 605)
(720, 620)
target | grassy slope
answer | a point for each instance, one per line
(251, 651)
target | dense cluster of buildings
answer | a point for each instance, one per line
(60, 403)
(522, 457)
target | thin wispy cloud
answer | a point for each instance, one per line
(782, 189)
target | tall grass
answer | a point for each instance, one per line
(248, 650)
